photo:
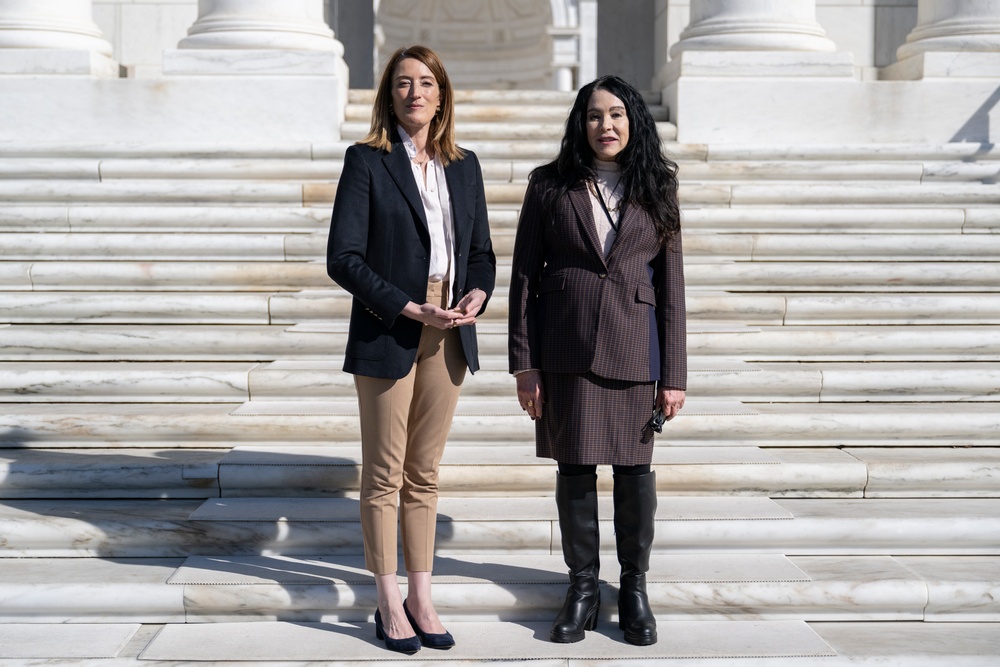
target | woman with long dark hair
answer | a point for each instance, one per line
(597, 336)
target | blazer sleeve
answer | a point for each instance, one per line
(482, 262)
(668, 280)
(526, 271)
(347, 246)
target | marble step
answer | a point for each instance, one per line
(496, 112)
(960, 152)
(511, 98)
(523, 130)
(692, 168)
(177, 192)
(333, 305)
(706, 193)
(290, 380)
(470, 470)
(493, 420)
(311, 246)
(819, 247)
(524, 526)
(812, 218)
(752, 169)
(800, 219)
(792, 643)
(702, 273)
(236, 342)
(738, 587)
(130, 218)
(122, 246)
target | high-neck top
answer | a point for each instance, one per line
(607, 181)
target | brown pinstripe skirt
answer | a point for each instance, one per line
(590, 420)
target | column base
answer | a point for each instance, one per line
(945, 64)
(257, 62)
(721, 98)
(189, 109)
(58, 62)
(758, 64)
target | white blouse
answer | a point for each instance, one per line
(608, 182)
(437, 209)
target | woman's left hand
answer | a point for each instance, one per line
(670, 401)
(469, 307)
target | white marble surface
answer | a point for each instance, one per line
(911, 246)
(124, 246)
(166, 276)
(57, 62)
(761, 63)
(930, 472)
(750, 169)
(31, 168)
(256, 62)
(279, 169)
(179, 108)
(99, 473)
(133, 307)
(959, 589)
(92, 590)
(828, 110)
(824, 219)
(711, 424)
(931, 194)
(64, 642)
(310, 641)
(885, 308)
(188, 218)
(149, 191)
(120, 382)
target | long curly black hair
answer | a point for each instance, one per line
(649, 177)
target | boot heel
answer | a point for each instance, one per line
(591, 623)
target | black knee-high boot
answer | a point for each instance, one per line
(576, 499)
(635, 512)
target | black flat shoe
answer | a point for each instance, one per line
(409, 646)
(443, 640)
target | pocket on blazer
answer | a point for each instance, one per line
(645, 294)
(555, 283)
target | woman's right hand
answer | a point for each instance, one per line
(529, 393)
(432, 316)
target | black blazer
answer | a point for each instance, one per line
(572, 310)
(379, 251)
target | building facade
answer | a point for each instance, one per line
(814, 71)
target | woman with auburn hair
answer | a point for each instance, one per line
(410, 240)
(597, 337)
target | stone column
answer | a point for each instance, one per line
(746, 71)
(272, 67)
(261, 24)
(752, 25)
(50, 24)
(954, 25)
(52, 37)
(952, 39)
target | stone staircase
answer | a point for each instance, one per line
(178, 446)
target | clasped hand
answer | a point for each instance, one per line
(463, 313)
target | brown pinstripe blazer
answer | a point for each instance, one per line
(573, 311)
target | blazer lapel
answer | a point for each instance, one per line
(579, 196)
(626, 227)
(458, 190)
(397, 163)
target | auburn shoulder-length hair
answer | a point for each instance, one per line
(442, 130)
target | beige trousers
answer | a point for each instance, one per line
(404, 426)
